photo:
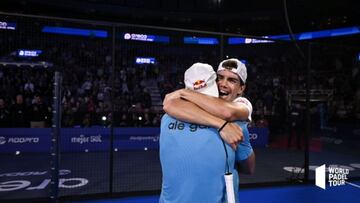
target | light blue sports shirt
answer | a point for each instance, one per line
(193, 162)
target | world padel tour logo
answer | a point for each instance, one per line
(336, 176)
(2, 140)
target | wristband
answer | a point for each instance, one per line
(226, 122)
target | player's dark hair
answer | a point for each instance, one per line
(229, 64)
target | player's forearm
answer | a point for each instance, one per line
(220, 108)
(247, 166)
(191, 113)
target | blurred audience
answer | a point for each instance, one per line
(91, 89)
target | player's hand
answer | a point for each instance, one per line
(232, 134)
(173, 95)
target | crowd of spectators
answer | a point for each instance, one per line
(95, 94)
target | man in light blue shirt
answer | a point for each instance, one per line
(192, 156)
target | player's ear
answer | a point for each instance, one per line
(241, 89)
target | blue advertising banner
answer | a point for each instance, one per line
(259, 137)
(94, 139)
(75, 31)
(25, 139)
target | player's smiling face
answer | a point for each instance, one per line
(229, 85)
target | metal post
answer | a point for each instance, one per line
(308, 122)
(55, 139)
(221, 47)
(111, 164)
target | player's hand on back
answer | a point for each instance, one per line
(232, 134)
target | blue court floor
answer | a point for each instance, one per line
(284, 194)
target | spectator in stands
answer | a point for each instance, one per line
(4, 114)
(86, 121)
(136, 119)
(156, 120)
(86, 86)
(262, 122)
(124, 120)
(146, 99)
(357, 104)
(147, 120)
(295, 124)
(29, 87)
(19, 113)
(68, 117)
(38, 113)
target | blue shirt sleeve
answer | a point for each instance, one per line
(244, 149)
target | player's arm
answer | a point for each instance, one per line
(244, 155)
(230, 111)
(189, 112)
(247, 166)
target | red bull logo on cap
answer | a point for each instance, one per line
(199, 84)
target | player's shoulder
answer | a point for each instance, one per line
(242, 100)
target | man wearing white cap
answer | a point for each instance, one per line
(192, 156)
(230, 106)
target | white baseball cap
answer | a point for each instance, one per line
(201, 77)
(240, 68)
